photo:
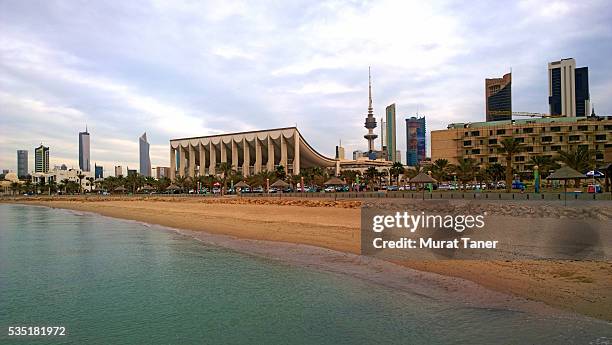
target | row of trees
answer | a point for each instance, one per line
(465, 171)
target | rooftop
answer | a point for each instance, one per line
(526, 121)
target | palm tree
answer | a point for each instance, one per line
(27, 186)
(81, 176)
(162, 184)
(581, 159)
(201, 181)
(544, 163)
(73, 187)
(225, 170)
(41, 184)
(482, 175)
(370, 175)
(465, 170)
(91, 182)
(396, 170)
(440, 169)
(350, 176)
(16, 187)
(52, 186)
(496, 172)
(510, 147)
(183, 182)
(280, 172)
(65, 185)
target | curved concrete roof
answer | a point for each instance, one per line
(308, 155)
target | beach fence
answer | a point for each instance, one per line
(445, 195)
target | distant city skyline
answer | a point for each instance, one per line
(291, 63)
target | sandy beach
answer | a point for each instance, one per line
(576, 286)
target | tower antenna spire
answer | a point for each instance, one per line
(369, 88)
(370, 122)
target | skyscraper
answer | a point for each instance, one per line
(98, 171)
(583, 98)
(415, 140)
(383, 134)
(22, 163)
(84, 156)
(498, 98)
(118, 171)
(41, 159)
(391, 133)
(340, 152)
(370, 122)
(145, 160)
(568, 89)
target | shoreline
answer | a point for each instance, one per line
(447, 280)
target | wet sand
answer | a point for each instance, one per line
(331, 227)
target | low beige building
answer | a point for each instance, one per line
(248, 152)
(540, 137)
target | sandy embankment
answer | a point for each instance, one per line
(583, 287)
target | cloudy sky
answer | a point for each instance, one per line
(177, 69)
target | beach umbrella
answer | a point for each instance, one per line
(565, 173)
(422, 178)
(120, 189)
(594, 173)
(280, 184)
(334, 181)
(242, 184)
(147, 188)
(173, 188)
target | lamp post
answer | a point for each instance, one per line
(536, 176)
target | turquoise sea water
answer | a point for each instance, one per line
(116, 282)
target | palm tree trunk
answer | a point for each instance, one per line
(509, 173)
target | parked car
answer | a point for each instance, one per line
(392, 188)
(518, 185)
(258, 189)
(444, 186)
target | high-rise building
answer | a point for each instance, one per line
(41, 159)
(98, 171)
(568, 89)
(539, 137)
(391, 133)
(370, 122)
(118, 171)
(161, 172)
(583, 98)
(498, 98)
(357, 154)
(415, 140)
(340, 152)
(383, 134)
(22, 163)
(84, 153)
(145, 159)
